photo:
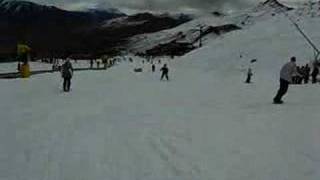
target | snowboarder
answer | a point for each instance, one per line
(165, 72)
(67, 72)
(286, 74)
(153, 68)
(249, 75)
(314, 74)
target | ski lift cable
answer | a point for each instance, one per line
(302, 33)
(307, 38)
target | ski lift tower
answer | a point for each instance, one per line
(200, 29)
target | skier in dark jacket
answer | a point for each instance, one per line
(249, 75)
(314, 74)
(306, 74)
(153, 68)
(91, 64)
(286, 74)
(98, 64)
(19, 66)
(300, 71)
(67, 72)
(165, 72)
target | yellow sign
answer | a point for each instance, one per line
(25, 71)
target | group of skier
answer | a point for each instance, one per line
(304, 73)
(164, 70)
(290, 73)
(67, 73)
(105, 62)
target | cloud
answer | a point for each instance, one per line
(153, 5)
(87, 5)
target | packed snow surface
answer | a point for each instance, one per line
(205, 123)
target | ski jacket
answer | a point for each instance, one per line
(315, 71)
(288, 71)
(164, 70)
(250, 73)
(67, 70)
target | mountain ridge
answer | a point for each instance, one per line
(50, 30)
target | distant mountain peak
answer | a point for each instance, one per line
(275, 4)
(17, 6)
(17, 3)
(26, 7)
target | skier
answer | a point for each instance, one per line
(300, 74)
(286, 74)
(91, 64)
(295, 77)
(165, 71)
(53, 67)
(153, 68)
(306, 74)
(98, 64)
(249, 75)
(19, 66)
(67, 72)
(315, 73)
(105, 63)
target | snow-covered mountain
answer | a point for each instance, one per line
(139, 32)
(48, 28)
(211, 25)
(20, 8)
(187, 33)
(16, 6)
(27, 11)
(146, 18)
(88, 30)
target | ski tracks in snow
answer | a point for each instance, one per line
(171, 149)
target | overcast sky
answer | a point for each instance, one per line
(131, 6)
